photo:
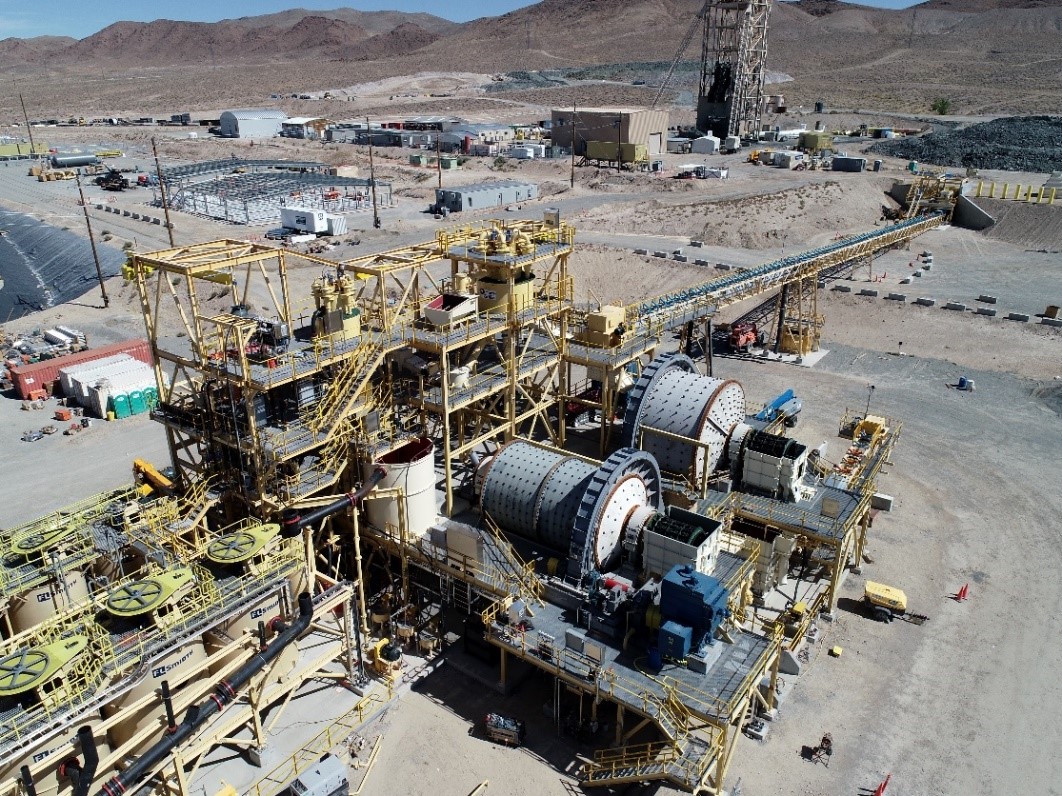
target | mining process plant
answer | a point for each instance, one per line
(357, 467)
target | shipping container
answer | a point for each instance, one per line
(849, 164)
(82, 372)
(44, 375)
(304, 219)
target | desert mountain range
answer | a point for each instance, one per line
(987, 55)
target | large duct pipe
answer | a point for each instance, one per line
(81, 776)
(292, 521)
(224, 692)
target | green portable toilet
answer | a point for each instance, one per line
(151, 397)
(119, 404)
(137, 403)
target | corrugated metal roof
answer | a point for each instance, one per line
(489, 186)
(258, 113)
(304, 119)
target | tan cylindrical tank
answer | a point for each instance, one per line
(244, 623)
(45, 758)
(175, 668)
(124, 563)
(412, 468)
(53, 596)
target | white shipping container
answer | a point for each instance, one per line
(304, 219)
(67, 375)
(118, 384)
(81, 383)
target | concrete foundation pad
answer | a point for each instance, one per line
(952, 305)
(842, 288)
(896, 297)
(1018, 316)
(697, 243)
(868, 292)
(987, 299)
(925, 301)
(681, 258)
(985, 311)
(1051, 322)
(700, 262)
(641, 251)
(660, 254)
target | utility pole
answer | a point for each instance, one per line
(438, 159)
(92, 242)
(573, 146)
(29, 128)
(619, 142)
(372, 179)
(162, 191)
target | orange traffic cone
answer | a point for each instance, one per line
(964, 592)
(880, 790)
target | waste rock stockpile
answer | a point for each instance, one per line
(1015, 143)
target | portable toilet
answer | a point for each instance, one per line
(119, 404)
(151, 397)
(137, 402)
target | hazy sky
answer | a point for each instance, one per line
(80, 18)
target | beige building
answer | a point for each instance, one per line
(627, 126)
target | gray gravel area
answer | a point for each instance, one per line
(1015, 143)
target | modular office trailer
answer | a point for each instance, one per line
(491, 194)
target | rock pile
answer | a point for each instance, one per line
(1015, 143)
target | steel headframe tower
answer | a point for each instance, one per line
(733, 67)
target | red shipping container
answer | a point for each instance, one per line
(44, 375)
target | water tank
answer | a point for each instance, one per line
(73, 161)
(411, 467)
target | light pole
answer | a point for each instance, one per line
(870, 393)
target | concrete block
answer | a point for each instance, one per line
(156, 221)
(987, 299)
(126, 213)
(927, 267)
(696, 243)
(136, 216)
(641, 251)
(905, 281)
(660, 254)
(916, 274)
(822, 284)
(1051, 322)
(843, 288)
(989, 311)
(867, 291)
(700, 262)
(896, 297)
(1018, 316)
(881, 501)
(722, 266)
(681, 258)
(99, 207)
(953, 305)
(925, 301)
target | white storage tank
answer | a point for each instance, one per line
(412, 468)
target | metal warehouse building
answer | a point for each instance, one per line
(646, 127)
(252, 123)
(490, 194)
